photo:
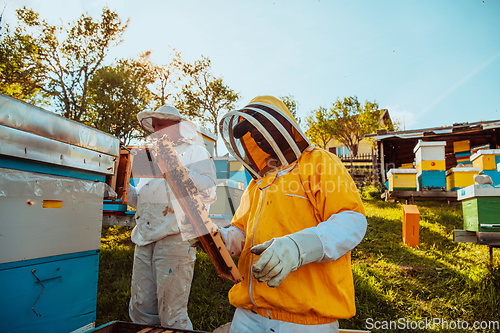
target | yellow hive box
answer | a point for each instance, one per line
(486, 159)
(402, 179)
(460, 146)
(431, 165)
(406, 166)
(457, 178)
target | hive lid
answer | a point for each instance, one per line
(401, 171)
(28, 118)
(462, 169)
(485, 152)
(411, 209)
(473, 191)
(428, 144)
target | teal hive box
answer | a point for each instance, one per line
(481, 207)
(431, 180)
(494, 174)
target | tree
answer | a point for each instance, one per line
(205, 97)
(116, 94)
(292, 105)
(71, 62)
(167, 76)
(21, 72)
(319, 127)
(351, 121)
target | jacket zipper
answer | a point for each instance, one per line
(253, 237)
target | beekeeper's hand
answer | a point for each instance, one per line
(278, 257)
(281, 256)
(195, 242)
(234, 239)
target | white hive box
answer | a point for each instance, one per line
(429, 151)
(52, 176)
(430, 155)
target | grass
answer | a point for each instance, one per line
(438, 280)
(208, 305)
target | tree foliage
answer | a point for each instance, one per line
(319, 127)
(167, 78)
(71, 54)
(117, 93)
(205, 97)
(65, 64)
(351, 121)
(21, 72)
(347, 120)
(292, 105)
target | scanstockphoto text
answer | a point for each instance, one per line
(430, 324)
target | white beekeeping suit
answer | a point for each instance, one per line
(164, 260)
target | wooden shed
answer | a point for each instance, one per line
(396, 148)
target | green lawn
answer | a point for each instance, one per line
(439, 280)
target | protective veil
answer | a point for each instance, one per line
(269, 120)
(301, 196)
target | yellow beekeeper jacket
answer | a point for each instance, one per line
(279, 205)
(311, 187)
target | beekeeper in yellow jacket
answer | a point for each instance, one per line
(298, 220)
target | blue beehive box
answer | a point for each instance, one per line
(52, 175)
(431, 180)
(494, 174)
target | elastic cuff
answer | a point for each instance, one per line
(309, 245)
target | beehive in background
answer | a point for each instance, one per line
(429, 155)
(463, 158)
(486, 160)
(461, 146)
(406, 166)
(481, 207)
(402, 179)
(460, 177)
(431, 165)
(462, 152)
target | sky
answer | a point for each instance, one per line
(431, 63)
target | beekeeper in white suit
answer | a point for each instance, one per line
(164, 261)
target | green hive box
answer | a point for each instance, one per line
(481, 207)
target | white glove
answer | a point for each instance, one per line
(234, 239)
(278, 258)
(281, 256)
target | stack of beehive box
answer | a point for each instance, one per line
(431, 165)
(462, 152)
(487, 160)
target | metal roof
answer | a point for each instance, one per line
(419, 133)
